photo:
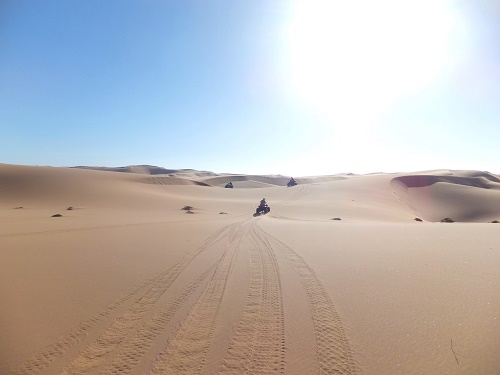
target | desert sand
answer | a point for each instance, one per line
(127, 282)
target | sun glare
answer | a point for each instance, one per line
(349, 60)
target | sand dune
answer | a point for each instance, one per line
(127, 282)
(268, 180)
(248, 181)
(172, 181)
(465, 196)
(152, 170)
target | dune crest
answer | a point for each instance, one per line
(465, 196)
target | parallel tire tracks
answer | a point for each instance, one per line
(258, 346)
(135, 349)
(144, 296)
(332, 347)
(129, 331)
(100, 350)
(46, 356)
(186, 351)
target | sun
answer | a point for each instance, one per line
(350, 60)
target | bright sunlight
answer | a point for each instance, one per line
(350, 60)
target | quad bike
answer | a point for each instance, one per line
(262, 210)
(229, 185)
(291, 183)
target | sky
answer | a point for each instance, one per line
(297, 87)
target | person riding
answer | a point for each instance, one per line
(263, 208)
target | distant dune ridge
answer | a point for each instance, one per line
(149, 169)
(466, 196)
(103, 272)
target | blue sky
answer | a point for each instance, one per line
(276, 87)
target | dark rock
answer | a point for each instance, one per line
(447, 220)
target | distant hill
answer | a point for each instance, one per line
(151, 170)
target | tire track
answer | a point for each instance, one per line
(281, 217)
(186, 351)
(101, 349)
(401, 191)
(298, 193)
(334, 355)
(133, 350)
(258, 346)
(44, 359)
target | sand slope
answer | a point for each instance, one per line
(127, 282)
(466, 196)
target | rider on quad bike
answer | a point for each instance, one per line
(263, 207)
(292, 182)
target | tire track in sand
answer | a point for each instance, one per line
(186, 351)
(334, 355)
(47, 355)
(102, 349)
(136, 348)
(258, 346)
(298, 193)
(44, 359)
